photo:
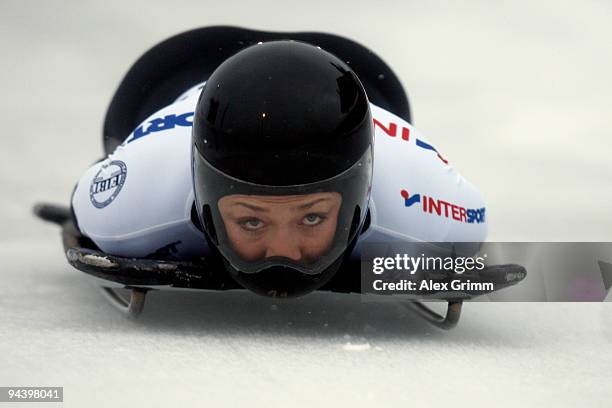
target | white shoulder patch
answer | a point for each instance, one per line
(416, 194)
(139, 198)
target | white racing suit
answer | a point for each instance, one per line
(139, 201)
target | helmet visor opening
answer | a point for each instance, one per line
(305, 227)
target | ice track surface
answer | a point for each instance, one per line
(516, 96)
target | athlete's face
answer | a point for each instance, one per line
(298, 227)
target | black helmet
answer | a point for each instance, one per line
(282, 165)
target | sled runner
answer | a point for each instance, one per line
(140, 275)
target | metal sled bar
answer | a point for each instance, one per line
(133, 307)
(57, 214)
(453, 312)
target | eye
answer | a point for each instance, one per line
(313, 219)
(251, 224)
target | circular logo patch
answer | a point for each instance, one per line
(107, 183)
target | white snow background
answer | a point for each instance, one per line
(516, 94)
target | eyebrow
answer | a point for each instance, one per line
(310, 204)
(252, 207)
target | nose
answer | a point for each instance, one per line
(285, 245)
